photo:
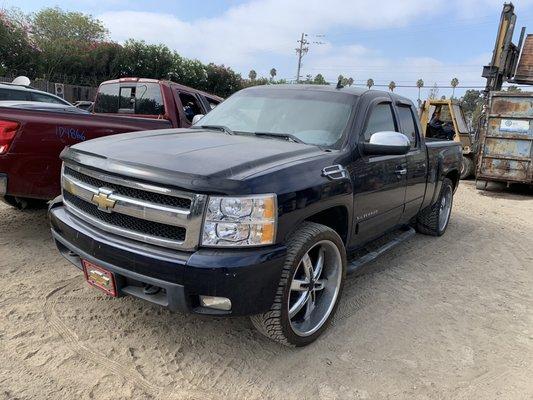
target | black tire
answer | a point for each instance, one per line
(467, 167)
(21, 203)
(429, 220)
(275, 323)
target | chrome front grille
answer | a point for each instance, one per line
(144, 212)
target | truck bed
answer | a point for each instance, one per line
(32, 163)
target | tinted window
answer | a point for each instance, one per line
(107, 99)
(126, 99)
(408, 124)
(212, 102)
(380, 120)
(112, 98)
(191, 106)
(10, 94)
(43, 98)
(148, 99)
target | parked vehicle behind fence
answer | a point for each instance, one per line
(256, 210)
(14, 92)
(31, 137)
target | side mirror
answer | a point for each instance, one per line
(197, 118)
(387, 143)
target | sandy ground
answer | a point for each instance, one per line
(438, 318)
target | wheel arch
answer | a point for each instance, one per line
(335, 217)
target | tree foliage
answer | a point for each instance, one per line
(74, 48)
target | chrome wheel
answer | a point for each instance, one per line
(445, 207)
(314, 288)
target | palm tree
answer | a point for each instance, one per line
(252, 75)
(419, 85)
(273, 73)
(370, 83)
(454, 83)
(392, 86)
(350, 81)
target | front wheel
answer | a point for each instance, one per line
(434, 219)
(310, 287)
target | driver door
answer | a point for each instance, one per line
(379, 180)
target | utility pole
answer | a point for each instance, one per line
(301, 51)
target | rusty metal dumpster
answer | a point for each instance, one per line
(506, 148)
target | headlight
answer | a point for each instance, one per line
(240, 221)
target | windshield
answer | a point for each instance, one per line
(311, 116)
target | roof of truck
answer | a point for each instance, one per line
(351, 90)
(162, 81)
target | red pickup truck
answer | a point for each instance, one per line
(32, 135)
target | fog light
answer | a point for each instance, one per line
(218, 303)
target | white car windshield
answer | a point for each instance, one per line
(310, 116)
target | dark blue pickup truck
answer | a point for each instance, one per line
(259, 208)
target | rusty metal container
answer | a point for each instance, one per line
(506, 148)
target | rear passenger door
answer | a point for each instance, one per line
(379, 181)
(416, 160)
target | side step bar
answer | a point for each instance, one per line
(356, 264)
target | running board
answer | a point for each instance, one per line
(357, 263)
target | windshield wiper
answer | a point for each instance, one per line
(286, 136)
(222, 128)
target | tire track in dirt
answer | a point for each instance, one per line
(129, 373)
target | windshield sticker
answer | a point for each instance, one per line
(64, 133)
(514, 125)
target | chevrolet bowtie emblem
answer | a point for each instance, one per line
(102, 200)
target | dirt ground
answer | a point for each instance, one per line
(437, 318)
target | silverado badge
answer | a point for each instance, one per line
(102, 200)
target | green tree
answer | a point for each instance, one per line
(65, 39)
(273, 73)
(350, 81)
(147, 60)
(18, 54)
(370, 83)
(252, 75)
(392, 86)
(319, 80)
(472, 105)
(454, 84)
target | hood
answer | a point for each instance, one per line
(187, 155)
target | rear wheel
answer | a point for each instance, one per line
(309, 289)
(434, 219)
(467, 167)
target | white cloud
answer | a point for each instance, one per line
(262, 34)
(238, 35)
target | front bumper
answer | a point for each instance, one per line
(248, 277)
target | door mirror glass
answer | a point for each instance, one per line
(387, 143)
(197, 118)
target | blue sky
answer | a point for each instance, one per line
(384, 40)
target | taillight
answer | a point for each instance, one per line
(8, 129)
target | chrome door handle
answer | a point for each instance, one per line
(401, 171)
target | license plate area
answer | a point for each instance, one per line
(100, 278)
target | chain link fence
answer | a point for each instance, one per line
(70, 93)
